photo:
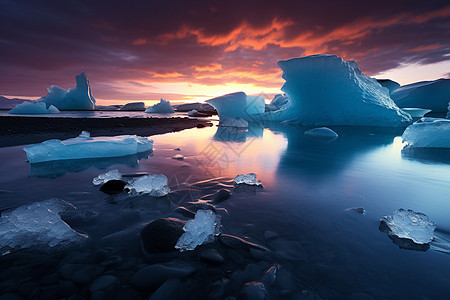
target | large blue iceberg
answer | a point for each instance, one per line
(428, 133)
(33, 108)
(238, 106)
(79, 98)
(85, 146)
(433, 95)
(326, 90)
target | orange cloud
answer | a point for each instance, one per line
(208, 68)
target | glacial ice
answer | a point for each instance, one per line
(163, 107)
(105, 177)
(408, 224)
(416, 112)
(134, 106)
(85, 146)
(37, 224)
(200, 107)
(325, 90)
(279, 101)
(200, 230)
(79, 98)
(322, 132)
(448, 114)
(432, 95)
(232, 122)
(428, 133)
(154, 185)
(249, 179)
(238, 105)
(389, 84)
(33, 108)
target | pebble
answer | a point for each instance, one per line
(87, 274)
(102, 283)
(161, 235)
(221, 195)
(151, 277)
(212, 255)
(254, 291)
(168, 290)
(112, 187)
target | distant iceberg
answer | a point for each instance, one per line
(134, 106)
(33, 108)
(325, 90)
(79, 98)
(163, 107)
(85, 146)
(37, 224)
(433, 95)
(238, 106)
(428, 133)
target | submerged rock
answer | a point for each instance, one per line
(221, 195)
(153, 276)
(161, 235)
(112, 187)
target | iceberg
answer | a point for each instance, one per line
(322, 132)
(408, 224)
(432, 95)
(416, 112)
(37, 224)
(154, 185)
(448, 114)
(389, 84)
(238, 106)
(200, 230)
(325, 90)
(163, 107)
(249, 179)
(85, 146)
(232, 122)
(79, 98)
(200, 107)
(428, 133)
(105, 177)
(134, 106)
(33, 108)
(279, 101)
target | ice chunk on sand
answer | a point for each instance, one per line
(200, 230)
(163, 107)
(37, 224)
(134, 106)
(432, 95)
(232, 122)
(105, 177)
(33, 108)
(85, 146)
(249, 179)
(428, 133)
(325, 90)
(238, 105)
(79, 98)
(322, 132)
(408, 224)
(154, 185)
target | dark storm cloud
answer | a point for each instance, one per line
(209, 42)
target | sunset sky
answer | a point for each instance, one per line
(194, 50)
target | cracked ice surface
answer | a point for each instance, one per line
(154, 185)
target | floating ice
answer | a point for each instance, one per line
(79, 98)
(428, 133)
(232, 122)
(325, 90)
(200, 107)
(178, 157)
(448, 114)
(238, 105)
(37, 224)
(195, 113)
(249, 179)
(416, 112)
(408, 224)
(389, 84)
(200, 230)
(432, 95)
(322, 132)
(134, 106)
(33, 108)
(163, 107)
(85, 146)
(154, 185)
(105, 177)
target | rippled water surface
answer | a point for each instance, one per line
(308, 187)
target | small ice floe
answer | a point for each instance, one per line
(38, 224)
(428, 133)
(195, 113)
(200, 230)
(33, 108)
(85, 146)
(232, 122)
(359, 210)
(322, 133)
(178, 157)
(105, 177)
(249, 179)
(154, 185)
(409, 229)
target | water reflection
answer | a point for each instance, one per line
(239, 135)
(427, 155)
(55, 169)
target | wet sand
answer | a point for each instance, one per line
(28, 130)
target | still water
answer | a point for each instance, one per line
(308, 186)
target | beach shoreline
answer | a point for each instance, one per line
(19, 130)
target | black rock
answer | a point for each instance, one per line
(254, 291)
(112, 187)
(221, 195)
(211, 255)
(152, 277)
(161, 235)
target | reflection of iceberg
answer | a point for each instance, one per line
(240, 135)
(54, 169)
(85, 146)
